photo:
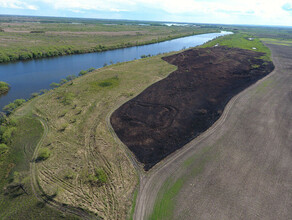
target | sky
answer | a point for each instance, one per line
(256, 12)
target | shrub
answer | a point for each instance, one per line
(19, 102)
(13, 105)
(98, 178)
(82, 72)
(3, 148)
(9, 108)
(63, 127)
(68, 98)
(4, 87)
(44, 153)
(63, 81)
(54, 85)
(70, 175)
(90, 69)
(35, 94)
(101, 175)
(105, 84)
(6, 136)
(71, 77)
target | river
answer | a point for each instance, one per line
(27, 77)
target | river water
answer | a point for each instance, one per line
(27, 77)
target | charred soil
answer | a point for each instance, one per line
(171, 112)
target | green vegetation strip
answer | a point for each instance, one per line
(287, 42)
(243, 41)
(166, 200)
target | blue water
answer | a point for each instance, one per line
(27, 77)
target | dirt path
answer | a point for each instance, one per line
(251, 177)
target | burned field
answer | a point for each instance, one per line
(171, 112)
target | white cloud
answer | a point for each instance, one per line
(227, 11)
(17, 4)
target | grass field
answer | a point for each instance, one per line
(243, 41)
(27, 39)
(82, 163)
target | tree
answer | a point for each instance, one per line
(82, 72)
(71, 77)
(63, 81)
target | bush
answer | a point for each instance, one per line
(4, 87)
(11, 106)
(98, 178)
(82, 72)
(70, 175)
(35, 94)
(6, 136)
(44, 153)
(3, 149)
(63, 81)
(54, 85)
(19, 102)
(101, 175)
(68, 98)
(63, 127)
(71, 77)
(90, 69)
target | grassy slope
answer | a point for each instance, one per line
(165, 201)
(80, 140)
(18, 43)
(17, 204)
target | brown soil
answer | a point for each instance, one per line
(171, 112)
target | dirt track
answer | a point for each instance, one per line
(171, 112)
(248, 173)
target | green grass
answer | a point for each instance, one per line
(4, 87)
(14, 169)
(164, 206)
(133, 204)
(166, 200)
(264, 86)
(242, 41)
(110, 82)
(287, 42)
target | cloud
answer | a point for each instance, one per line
(17, 4)
(216, 11)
